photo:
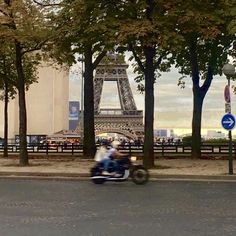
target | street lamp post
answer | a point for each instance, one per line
(229, 70)
(81, 59)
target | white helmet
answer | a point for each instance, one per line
(115, 144)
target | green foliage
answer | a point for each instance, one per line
(204, 22)
(8, 73)
(8, 76)
(81, 24)
(187, 140)
(113, 58)
(144, 24)
(230, 13)
(25, 24)
(181, 82)
(216, 141)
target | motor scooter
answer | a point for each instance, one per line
(126, 168)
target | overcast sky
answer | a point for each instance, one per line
(173, 105)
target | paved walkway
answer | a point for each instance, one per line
(79, 168)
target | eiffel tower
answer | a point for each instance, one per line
(127, 120)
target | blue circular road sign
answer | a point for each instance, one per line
(228, 121)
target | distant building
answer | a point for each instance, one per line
(163, 133)
(213, 134)
(46, 103)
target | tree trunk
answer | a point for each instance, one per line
(23, 156)
(199, 94)
(196, 122)
(5, 152)
(89, 148)
(148, 159)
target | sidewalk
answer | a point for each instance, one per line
(79, 168)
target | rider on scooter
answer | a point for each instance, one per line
(110, 161)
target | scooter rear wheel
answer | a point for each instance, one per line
(95, 173)
(98, 181)
(140, 175)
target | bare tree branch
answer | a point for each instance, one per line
(158, 62)
(137, 58)
(99, 58)
(46, 4)
(3, 12)
(37, 47)
(207, 82)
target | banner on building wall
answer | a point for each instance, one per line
(74, 108)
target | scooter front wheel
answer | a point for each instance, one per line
(140, 175)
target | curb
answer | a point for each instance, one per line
(85, 176)
(35, 174)
(44, 176)
(193, 177)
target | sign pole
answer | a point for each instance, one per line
(230, 138)
(231, 172)
(228, 120)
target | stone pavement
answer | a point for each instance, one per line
(79, 168)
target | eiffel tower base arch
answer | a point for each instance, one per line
(129, 126)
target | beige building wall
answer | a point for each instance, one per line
(46, 102)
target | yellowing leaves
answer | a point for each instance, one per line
(138, 29)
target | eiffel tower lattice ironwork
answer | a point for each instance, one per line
(127, 120)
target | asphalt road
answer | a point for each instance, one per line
(58, 208)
